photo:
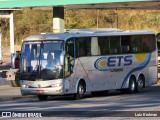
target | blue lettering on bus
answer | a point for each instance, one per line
(119, 60)
(111, 61)
(128, 60)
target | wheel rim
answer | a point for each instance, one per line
(81, 90)
(132, 87)
(140, 83)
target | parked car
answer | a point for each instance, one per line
(13, 74)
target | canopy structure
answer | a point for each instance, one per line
(82, 4)
(0, 49)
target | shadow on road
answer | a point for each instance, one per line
(3, 69)
(148, 90)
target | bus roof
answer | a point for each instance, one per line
(86, 33)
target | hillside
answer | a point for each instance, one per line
(30, 21)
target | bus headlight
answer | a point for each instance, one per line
(24, 86)
(57, 85)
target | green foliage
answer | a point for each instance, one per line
(28, 21)
(4, 29)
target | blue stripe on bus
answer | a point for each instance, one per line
(143, 63)
(140, 67)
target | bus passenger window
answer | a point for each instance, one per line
(125, 44)
(83, 46)
(115, 45)
(103, 43)
(148, 43)
(81, 52)
(136, 42)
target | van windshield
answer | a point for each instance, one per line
(158, 44)
(41, 60)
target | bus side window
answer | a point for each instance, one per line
(136, 42)
(125, 44)
(83, 46)
(115, 47)
(103, 45)
(148, 43)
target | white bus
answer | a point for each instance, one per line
(87, 60)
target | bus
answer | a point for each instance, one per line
(87, 61)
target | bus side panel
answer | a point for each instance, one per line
(153, 69)
(86, 71)
(101, 79)
(97, 80)
(78, 74)
(152, 75)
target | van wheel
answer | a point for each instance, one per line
(10, 83)
(140, 84)
(13, 83)
(42, 97)
(17, 80)
(132, 85)
(80, 91)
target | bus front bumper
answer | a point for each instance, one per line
(42, 91)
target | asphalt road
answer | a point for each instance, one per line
(114, 105)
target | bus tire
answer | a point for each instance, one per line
(140, 84)
(80, 91)
(42, 97)
(132, 85)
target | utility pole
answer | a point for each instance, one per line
(8, 13)
(1, 48)
(58, 19)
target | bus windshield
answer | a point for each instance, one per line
(41, 60)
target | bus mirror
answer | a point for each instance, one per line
(62, 58)
(158, 37)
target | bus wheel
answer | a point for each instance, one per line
(140, 84)
(80, 91)
(132, 85)
(42, 97)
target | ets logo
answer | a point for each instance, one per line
(113, 61)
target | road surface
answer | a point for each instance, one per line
(113, 105)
